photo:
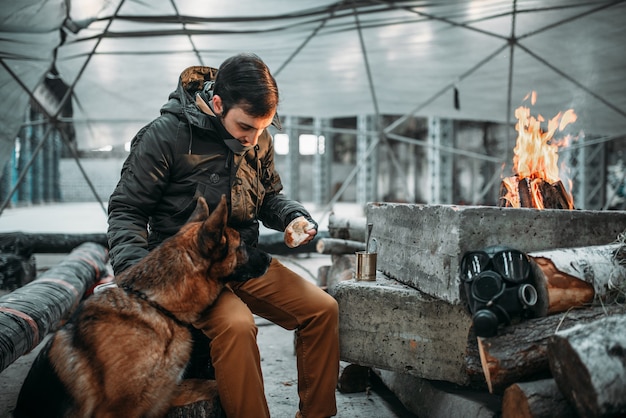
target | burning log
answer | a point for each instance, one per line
(536, 182)
(588, 363)
(537, 399)
(519, 352)
(537, 193)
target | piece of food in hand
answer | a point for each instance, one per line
(295, 233)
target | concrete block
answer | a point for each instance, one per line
(433, 399)
(422, 245)
(392, 326)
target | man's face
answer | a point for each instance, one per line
(243, 127)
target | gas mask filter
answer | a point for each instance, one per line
(498, 286)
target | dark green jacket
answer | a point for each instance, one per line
(182, 155)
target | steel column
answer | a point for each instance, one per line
(291, 180)
(366, 181)
(440, 162)
(322, 162)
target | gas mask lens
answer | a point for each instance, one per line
(512, 265)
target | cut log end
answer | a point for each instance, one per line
(488, 363)
(563, 291)
(515, 403)
(588, 364)
(536, 399)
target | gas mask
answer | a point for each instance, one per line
(498, 285)
(206, 94)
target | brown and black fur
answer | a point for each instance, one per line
(125, 351)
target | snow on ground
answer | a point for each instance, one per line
(90, 217)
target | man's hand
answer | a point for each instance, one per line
(300, 231)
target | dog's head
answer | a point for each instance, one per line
(231, 259)
(187, 272)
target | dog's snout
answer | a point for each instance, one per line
(251, 263)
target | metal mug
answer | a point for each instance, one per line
(365, 266)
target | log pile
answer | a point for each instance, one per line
(568, 361)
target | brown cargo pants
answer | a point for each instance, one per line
(283, 297)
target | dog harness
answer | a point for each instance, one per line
(102, 287)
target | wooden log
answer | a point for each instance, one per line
(534, 193)
(554, 195)
(26, 244)
(338, 246)
(322, 276)
(210, 408)
(525, 194)
(519, 352)
(347, 228)
(536, 399)
(341, 269)
(274, 243)
(588, 362)
(572, 277)
(27, 314)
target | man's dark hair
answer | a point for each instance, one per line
(244, 80)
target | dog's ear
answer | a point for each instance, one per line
(218, 219)
(201, 212)
(212, 231)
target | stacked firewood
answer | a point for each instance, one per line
(569, 360)
(574, 358)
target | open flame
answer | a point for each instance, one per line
(535, 160)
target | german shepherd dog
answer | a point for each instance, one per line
(124, 351)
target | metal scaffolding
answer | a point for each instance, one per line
(440, 162)
(322, 162)
(366, 180)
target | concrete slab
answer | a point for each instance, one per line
(440, 399)
(422, 245)
(388, 325)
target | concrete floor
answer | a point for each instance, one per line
(279, 368)
(278, 363)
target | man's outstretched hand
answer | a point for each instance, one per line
(300, 231)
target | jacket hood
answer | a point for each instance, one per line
(182, 100)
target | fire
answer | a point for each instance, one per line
(535, 160)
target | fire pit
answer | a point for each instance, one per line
(421, 245)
